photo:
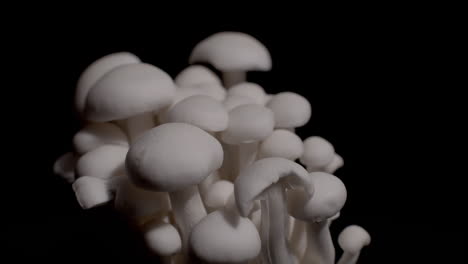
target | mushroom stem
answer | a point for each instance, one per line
(349, 258)
(136, 125)
(233, 77)
(188, 210)
(320, 247)
(298, 241)
(275, 236)
(247, 155)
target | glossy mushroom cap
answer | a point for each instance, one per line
(251, 90)
(127, 91)
(201, 111)
(232, 51)
(318, 153)
(353, 238)
(291, 110)
(248, 123)
(217, 239)
(173, 156)
(283, 144)
(260, 175)
(328, 199)
(95, 71)
(196, 75)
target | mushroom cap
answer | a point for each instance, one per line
(257, 177)
(291, 110)
(318, 153)
(216, 91)
(216, 240)
(129, 90)
(91, 191)
(218, 194)
(103, 162)
(196, 75)
(173, 156)
(201, 111)
(353, 238)
(65, 166)
(232, 101)
(248, 123)
(95, 135)
(163, 239)
(251, 90)
(336, 163)
(328, 199)
(232, 51)
(283, 144)
(95, 71)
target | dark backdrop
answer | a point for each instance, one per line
(377, 86)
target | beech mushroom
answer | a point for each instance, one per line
(248, 125)
(97, 134)
(352, 239)
(196, 75)
(336, 163)
(232, 101)
(104, 162)
(95, 71)
(162, 238)
(328, 199)
(251, 90)
(232, 53)
(267, 179)
(217, 196)
(318, 153)
(64, 166)
(291, 110)
(174, 158)
(91, 191)
(283, 144)
(129, 94)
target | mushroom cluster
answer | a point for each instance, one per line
(210, 169)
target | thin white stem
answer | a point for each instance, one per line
(233, 78)
(349, 258)
(136, 125)
(298, 239)
(205, 185)
(247, 154)
(276, 236)
(320, 249)
(188, 210)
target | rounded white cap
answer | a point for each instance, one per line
(216, 239)
(328, 199)
(232, 51)
(318, 153)
(353, 238)
(248, 123)
(173, 156)
(217, 196)
(257, 177)
(65, 166)
(196, 75)
(232, 101)
(283, 144)
(95, 71)
(163, 239)
(129, 90)
(291, 110)
(336, 163)
(91, 191)
(251, 90)
(94, 135)
(103, 162)
(201, 111)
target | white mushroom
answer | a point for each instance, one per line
(64, 166)
(248, 125)
(95, 71)
(104, 162)
(328, 199)
(94, 135)
(162, 238)
(283, 144)
(174, 158)
(318, 153)
(291, 110)
(352, 239)
(91, 191)
(251, 90)
(196, 75)
(129, 94)
(218, 194)
(232, 53)
(267, 179)
(336, 163)
(232, 101)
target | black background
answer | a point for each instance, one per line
(382, 89)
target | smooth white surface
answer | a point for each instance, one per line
(291, 110)
(251, 90)
(94, 135)
(232, 101)
(218, 194)
(91, 191)
(318, 153)
(103, 162)
(283, 144)
(64, 166)
(196, 75)
(127, 91)
(163, 239)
